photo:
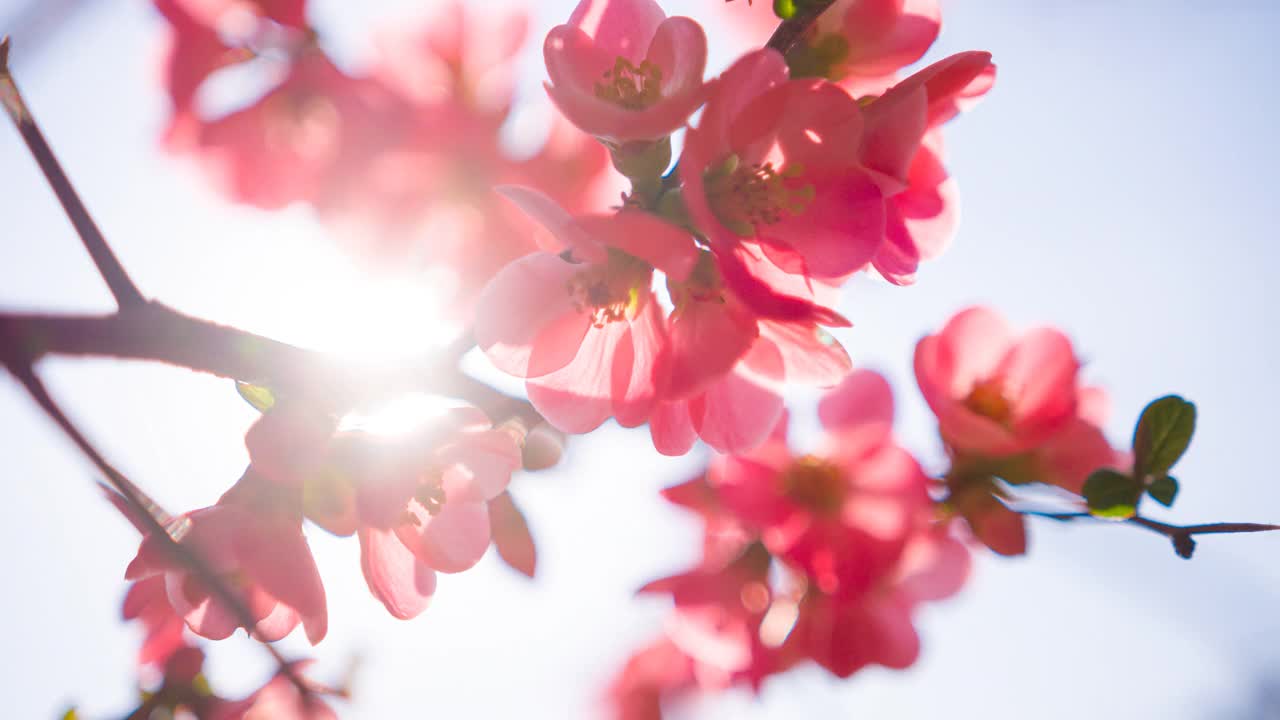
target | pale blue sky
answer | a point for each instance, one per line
(1119, 183)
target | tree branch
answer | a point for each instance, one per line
(1182, 536)
(793, 28)
(145, 510)
(155, 332)
(109, 267)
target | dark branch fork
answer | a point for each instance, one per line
(1182, 536)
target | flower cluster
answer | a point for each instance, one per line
(786, 187)
(689, 306)
(399, 160)
(818, 557)
(418, 501)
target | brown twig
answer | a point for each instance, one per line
(1182, 536)
(113, 273)
(145, 509)
(793, 28)
(155, 332)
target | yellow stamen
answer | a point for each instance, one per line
(634, 88)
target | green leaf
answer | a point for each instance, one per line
(1164, 431)
(784, 8)
(261, 398)
(1111, 494)
(1163, 489)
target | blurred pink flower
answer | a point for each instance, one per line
(843, 515)
(260, 555)
(997, 394)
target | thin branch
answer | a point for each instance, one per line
(793, 28)
(158, 333)
(1182, 536)
(113, 273)
(145, 509)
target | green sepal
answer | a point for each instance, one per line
(260, 397)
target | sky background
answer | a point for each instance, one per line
(1118, 183)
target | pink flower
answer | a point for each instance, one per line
(845, 635)
(579, 320)
(1010, 408)
(658, 672)
(192, 53)
(862, 44)
(419, 503)
(147, 603)
(921, 218)
(260, 555)
(996, 394)
(622, 71)
(778, 162)
(288, 145)
(426, 198)
(843, 516)
(289, 13)
(719, 608)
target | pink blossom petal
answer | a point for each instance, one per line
(526, 322)
(578, 397)
(898, 258)
(895, 124)
(863, 399)
(971, 347)
(819, 128)
(1040, 378)
(882, 40)
(679, 47)
(478, 465)
(765, 300)
(671, 428)
(634, 364)
(839, 232)
(574, 62)
(737, 413)
(565, 231)
(750, 76)
(897, 644)
(277, 624)
(811, 355)
(279, 560)
(707, 338)
(402, 583)
(452, 540)
(930, 206)
(620, 27)
(642, 235)
(206, 618)
(934, 567)
(749, 489)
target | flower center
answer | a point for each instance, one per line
(609, 291)
(816, 484)
(431, 496)
(988, 400)
(744, 197)
(634, 88)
